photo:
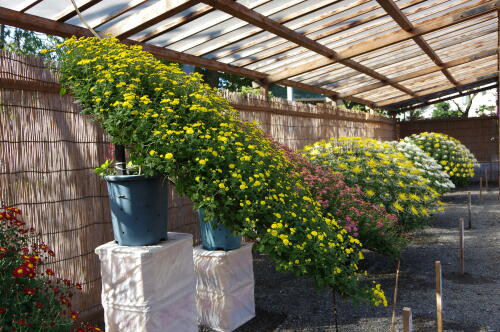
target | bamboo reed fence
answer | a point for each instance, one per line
(48, 149)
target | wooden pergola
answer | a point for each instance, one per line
(395, 55)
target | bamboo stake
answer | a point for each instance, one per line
(407, 320)
(481, 189)
(486, 178)
(461, 244)
(395, 298)
(469, 207)
(439, 291)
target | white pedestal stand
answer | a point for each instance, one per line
(224, 287)
(149, 288)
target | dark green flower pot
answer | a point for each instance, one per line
(139, 209)
(218, 238)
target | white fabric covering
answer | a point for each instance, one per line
(149, 288)
(224, 287)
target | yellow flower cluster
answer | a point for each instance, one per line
(449, 152)
(385, 174)
(174, 125)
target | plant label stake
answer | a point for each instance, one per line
(407, 320)
(461, 244)
(469, 207)
(481, 189)
(439, 292)
(395, 299)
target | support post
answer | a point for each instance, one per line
(469, 208)
(486, 179)
(407, 320)
(461, 245)
(439, 292)
(120, 160)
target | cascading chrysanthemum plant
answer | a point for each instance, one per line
(386, 176)
(32, 298)
(455, 158)
(431, 170)
(174, 125)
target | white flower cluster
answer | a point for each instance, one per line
(439, 179)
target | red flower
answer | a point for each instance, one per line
(63, 299)
(29, 291)
(2, 310)
(3, 249)
(51, 253)
(39, 304)
(78, 286)
(80, 329)
(49, 272)
(74, 316)
(20, 271)
(43, 246)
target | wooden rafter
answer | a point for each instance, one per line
(316, 32)
(393, 56)
(148, 17)
(442, 95)
(70, 12)
(223, 40)
(481, 77)
(272, 26)
(27, 5)
(164, 28)
(424, 71)
(400, 18)
(40, 24)
(111, 16)
(452, 18)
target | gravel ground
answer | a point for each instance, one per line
(471, 303)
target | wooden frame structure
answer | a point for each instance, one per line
(391, 54)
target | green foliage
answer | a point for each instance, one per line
(443, 110)
(174, 125)
(25, 41)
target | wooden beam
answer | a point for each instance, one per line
(434, 24)
(353, 19)
(111, 16)
(400, 18)
(147, 17)
(70, 12)
(26, 5)
(391, 57)
(424, 71)
(223, 41)
(261, 21)
(439, 91)
(41, 24)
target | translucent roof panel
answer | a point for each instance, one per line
(349, 47)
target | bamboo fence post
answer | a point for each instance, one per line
(461, 244)
(439, 292)
(469, 208)
(407, 320)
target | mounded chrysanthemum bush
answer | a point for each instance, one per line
(455, 158)
(174, 125)
(378, 230)
(386, 176)
(431, 170)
